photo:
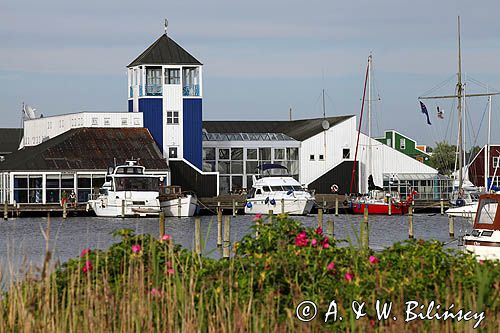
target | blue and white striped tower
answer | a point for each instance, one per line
(165, 84)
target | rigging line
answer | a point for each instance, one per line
(331, 100)
(438, 86)
(477, 135)
(481, 84)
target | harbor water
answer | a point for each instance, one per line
(22, 242)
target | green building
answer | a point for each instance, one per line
(405, 145)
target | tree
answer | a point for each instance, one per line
(443, 158)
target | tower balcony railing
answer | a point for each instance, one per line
(154, 90)
(191, 90)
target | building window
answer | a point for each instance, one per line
(223, 153)
(172, 152)
(107, 121)
(496, 162)
(402, 143)
(172, 117)
(136, 121)
(252, 154)
(172, 76)
(153, 81)
(389, 142)
(321, 157)
(124, 122)
(346, 153)
(279, 153)
(311, 157)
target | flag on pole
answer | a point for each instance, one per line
(424, 111)
(440, 113)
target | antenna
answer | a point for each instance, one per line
(166, 26)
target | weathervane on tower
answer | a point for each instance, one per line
(166, 26)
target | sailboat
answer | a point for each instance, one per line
(377, 201)
(464, 197)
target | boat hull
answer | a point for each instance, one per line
(379, 208)
(292, 206)
(185, 207)
(484, 247)
(102, 209)
(467, 211)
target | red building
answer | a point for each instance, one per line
(478, 166)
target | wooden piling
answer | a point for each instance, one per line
(330, 227)
(364, 236)
(179, 207)
(219, 225)
(197, 235)
(320, 218)
(389, 201)
(336, 206)
(442, 206)
(270, 213)
(123, 208)
(162, 224)
(65, 213)
(451, 225)
(234, 208)
(410, 222)
(5, 210)
(282, 205)
(227, 237)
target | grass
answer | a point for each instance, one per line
(164, 288)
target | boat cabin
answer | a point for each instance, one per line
(488, 216)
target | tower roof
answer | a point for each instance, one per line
(165, 51)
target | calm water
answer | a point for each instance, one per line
(22, 241)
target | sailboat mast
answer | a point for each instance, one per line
(459, 109)
(487, 153)
(369, 115)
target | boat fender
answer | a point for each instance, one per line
(289, 192)
(460, 202)
(345, 202)
(249, 205)
(272, 202)
(334, 188)
(266, 201)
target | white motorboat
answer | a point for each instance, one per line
(127, 191)
(279, 193)
(175, 202)
(484, 241)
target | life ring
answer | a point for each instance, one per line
(334, 188)
(272, 202)
(249, 204)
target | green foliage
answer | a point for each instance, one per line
(443, 158)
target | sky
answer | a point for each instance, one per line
(260, 58)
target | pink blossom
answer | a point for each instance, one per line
(330, 266)
(373, 260)
(166, 237)
(319, 231)
(170, 271)
(349, 276)
(168, 264)
(481, 261)
(85, 252)
(314, 242)
(372, 322)
(301, 239)
(326, 245)
(87, 267)
(155, 292)
(136, 248)
(257, 217)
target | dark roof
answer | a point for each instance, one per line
(88, 149)
(297, 129)
(10, 139)
(165, 51)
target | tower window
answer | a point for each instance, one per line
(321, 157)
(402, 143)
(172, 117)
(153, 81)
(172, 152)
(346, 153)
(496, 161)
(311, 157)
(172, 76)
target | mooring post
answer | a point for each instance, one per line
(320, 217)
(282, 205)
(197, 235)
(410, 222)
(123, 208)
(219, 225)
(5, 210)
(65, 213)
(270, 213)
(336, 205)
(227, 237)
(451, 225)
(162, 224)
(442, 206)
(234, 208)
(364, 229)
(179, 207)
(330, 227)
(389, 201)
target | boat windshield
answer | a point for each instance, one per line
(487, 212)
(288, 188)
(137, 184)
(297, 188)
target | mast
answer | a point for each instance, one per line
(369, 116)
(487, 153)
(459, 109)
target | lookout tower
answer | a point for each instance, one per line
(165, 84)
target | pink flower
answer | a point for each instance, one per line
(314, 242)
(168, 264)
(257, 217)
(136, 248)
(155, 292)
(348, 276)
(85, 252)
(326, 245)
(330, 266)
(481, 261)
(170, 271)
(301, 239)
(373, 260)
(166, 238)
(87, 267)
(319, 231)
(372, 322)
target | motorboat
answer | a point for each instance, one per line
(275, 190)
(175, 202)
(127, 191)
(484, 241)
